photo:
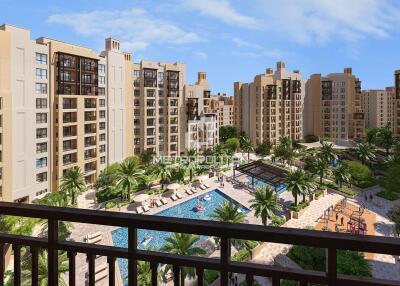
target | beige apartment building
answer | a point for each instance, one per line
(333, 107)
(271, 106)
(200, 121)
(223, 105)
(396, 112)
(378, 106)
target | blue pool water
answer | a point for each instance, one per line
(183, 210)
(259, 184)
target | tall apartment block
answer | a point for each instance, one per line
(200, 122)
(333, 107)
(223, 105)
(157, 107)
(396, 112)
(271, 106)
(378, 106)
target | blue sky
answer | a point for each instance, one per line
(231, 40)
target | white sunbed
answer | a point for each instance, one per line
(146, 209)
(189, 192)
(158, 203)
(179, 196)
(202, 187)
(139, 210)
(164, 201)
(174, 198)
(94, 237)
(194, 191)
(100, 273)
(207, 186)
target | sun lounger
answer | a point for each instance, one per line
(100, 273)
(164, 201)
(146, 209)
(158, 203)
(202, 187)
(139, 210)
(94, 237)
(189, 192)
(194, 191)
(174, 198)
(207, 186)
(179, 196)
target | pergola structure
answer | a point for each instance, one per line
(267, 173)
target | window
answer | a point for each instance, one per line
(136, 92)
(41, 88)
(41, 59)
(102, 125)
(102, 114)
(41, 162)
(41, 133)
(102, 80)
(102, 160)
(41, 177)
(41, 103)
(41, 148)
(102, 68)
(136, 141)
(102, 91)
(102, 137)
(136, 73)
(102, 102)
(102, 148)
(41, 118)
(41, 73)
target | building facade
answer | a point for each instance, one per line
(224, 106)
(271, 106)
(333, 107)
(200, 122)
(378, 106)
(396, 112)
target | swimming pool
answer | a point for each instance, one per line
(182, 210)
(259, 184)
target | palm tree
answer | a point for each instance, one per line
(341, 174)
(322, 169)
(43, 269)
(285, 142)
(182, 244)
(364, 153)
(128, 175)
(326, 152)
(265, 204)
(192, 163)
(143, 273)
(163, 171)
(228, 212)
(247, 146)
(298, 182)
(385, 138)
(72, 184)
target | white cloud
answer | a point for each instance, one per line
(135, 28)
(221, 10)
(201, 55)
(245, 44)
(320, 21)
(273, 54)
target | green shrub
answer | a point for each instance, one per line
(311, 138)
(391, 181)
(299, 206)
(278, 221)
(348, 262)
(210, 276)
(241, 255)
(108, 194)
(345, 190)
(289, 283)
(390, 196)
(252, 244)
(263, 149)
(361, 175)
(244, 283)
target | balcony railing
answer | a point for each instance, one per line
(329, 240)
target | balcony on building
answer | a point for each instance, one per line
(69, 103)
(90, 142)
(69, 117)
(90, 103)
(69, 145)
(69, 131)
(90, 116)
(90, 129)
(69, 159)
(90, 154)
(90, 168)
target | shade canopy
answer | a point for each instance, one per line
(141, 198)
(173, 187)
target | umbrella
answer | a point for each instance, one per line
(173, 187)
(141, 198)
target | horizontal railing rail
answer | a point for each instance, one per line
(329, 240)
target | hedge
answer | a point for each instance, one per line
(210, 276)
(390, 196)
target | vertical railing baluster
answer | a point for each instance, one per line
(111, 270)
(154, 273)
(35, 266)
(52, 252)
(92, 271)
(200, 274)
(331, 265)
(176, 272)
(276, 281)
(303, 283)
(132, 261)
(225, 258)
(17, 264)
(2, 262)
(72, 268)
(249, 279)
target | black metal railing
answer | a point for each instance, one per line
(329, 240)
